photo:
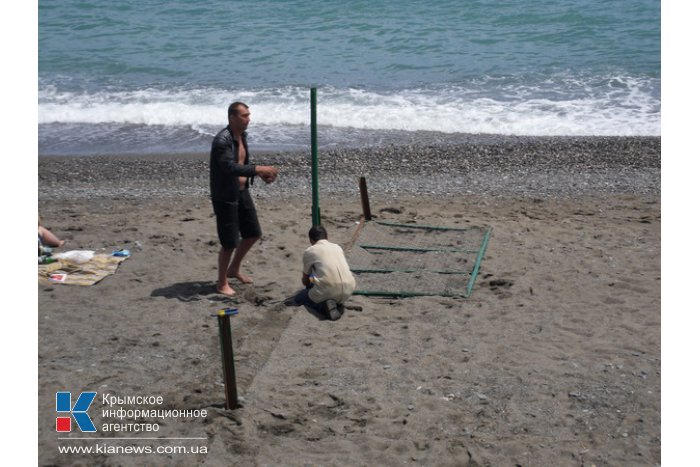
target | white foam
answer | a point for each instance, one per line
(602, 106)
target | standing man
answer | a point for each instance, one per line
(230, 176)
(326, 275)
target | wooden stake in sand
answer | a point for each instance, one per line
(224, 317)
(364, 196)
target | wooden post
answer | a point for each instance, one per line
(365, 199)
(224, 317)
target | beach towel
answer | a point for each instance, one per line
(92, 271)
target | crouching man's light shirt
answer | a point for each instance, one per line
(334, 280)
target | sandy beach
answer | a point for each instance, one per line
(553, 360)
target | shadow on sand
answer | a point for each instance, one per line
(192, 292)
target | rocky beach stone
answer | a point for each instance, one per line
(483, 165)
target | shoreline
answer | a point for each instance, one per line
(403, 138)
(329, 139)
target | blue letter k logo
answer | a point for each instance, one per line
(79, 410)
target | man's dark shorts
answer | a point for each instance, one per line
(234, 218)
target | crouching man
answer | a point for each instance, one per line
(326, 275)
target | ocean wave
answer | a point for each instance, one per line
(569, 105)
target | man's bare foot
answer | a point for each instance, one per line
(226, 290)
(241, 277)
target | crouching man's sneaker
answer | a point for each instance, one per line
(333, 311)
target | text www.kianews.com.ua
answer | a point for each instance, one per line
(103, 448)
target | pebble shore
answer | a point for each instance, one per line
(483, 165)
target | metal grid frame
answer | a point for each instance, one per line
(448, 261)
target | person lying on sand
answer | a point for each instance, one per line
(48, 238)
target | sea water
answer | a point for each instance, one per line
(157, 76)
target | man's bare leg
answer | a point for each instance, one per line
(222, 285)
(235, 269)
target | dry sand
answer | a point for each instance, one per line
(553, 360)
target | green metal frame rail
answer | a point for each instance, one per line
(315, 204)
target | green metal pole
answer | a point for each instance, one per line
(477, 263)
(315, 208)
